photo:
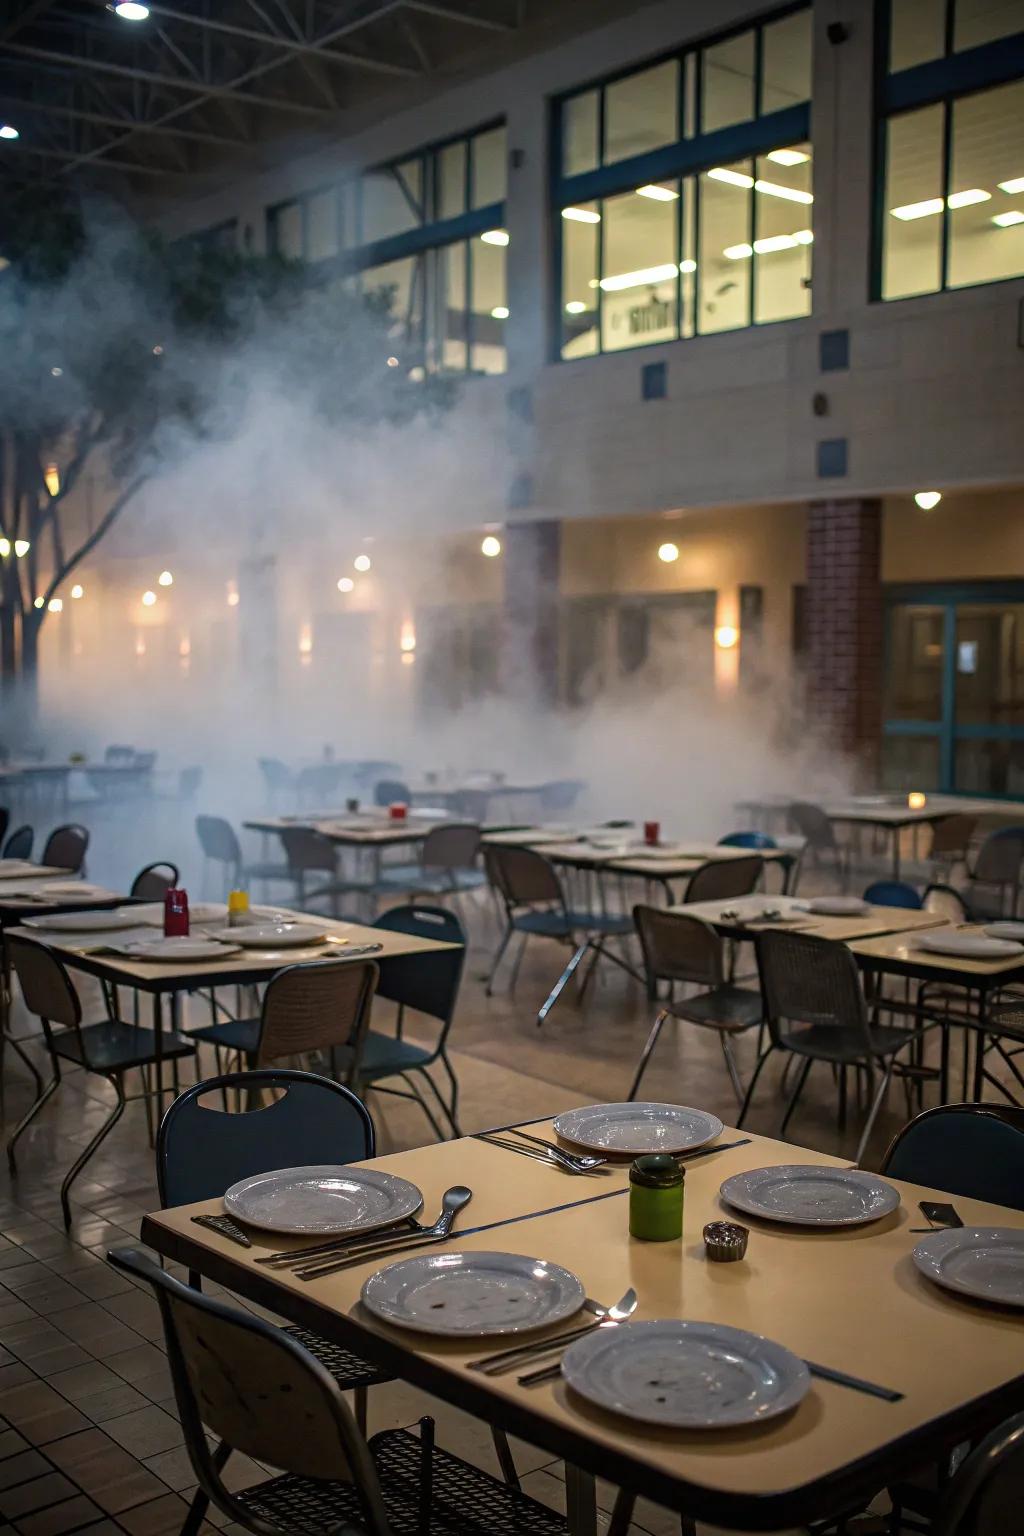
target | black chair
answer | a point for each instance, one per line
(153, 882)
(220, 845)
(723, 879)
(19, 844)
(66, 847)
(820, 841)
(5, 821)
(390, 791)
(998, 864)
(974, 1150)
(109, 1049)
(986, 1495)
(448, 864)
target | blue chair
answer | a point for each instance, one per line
(894, 893)
(747, 840)
(974, 1150)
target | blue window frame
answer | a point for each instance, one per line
(682, 192)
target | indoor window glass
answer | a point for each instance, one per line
(640, 281)
(984, 21)
(450, 171)
(726, 249)
(913, 679)
(322, 225)
(688, 259)
(448, 344)
(580, 148)
(786, 62)
(728, 83)
(990, 664)
(488, 151)
(917, 32)
(489, 308)
(912, 214)
(286, 231)
(579, 279)
(392, 200)
(986, 221)
(782, 235)
(641, 112)
(398, 285)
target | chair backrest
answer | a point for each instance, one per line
(974, 1150)
(307, 849)
(153, 882)
(522, 876)
(201, 1150)
(316, 1006)
(723, 878)
(320, 782)
(470, 804)
(812, 823)
(189, 780)
(218, 840)
(747, 840)
(677, 947)
(893, 893)
(65, 847)
(45, 984)
(807, 980)
(952, 834)
(986, 1496)
(19, 844)
(427, 983)
(276, 774)
(561, 794)
(257, 1390)
(944, 901)
(1000, 856)
(5, 821)
(455, 845)
(390, 791)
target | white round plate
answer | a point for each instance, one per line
(181, 948)
(685, 1375)
(1005, 930)
(273, 935)
(634, 1129)
(322, 1199)
(471, 1295)
(84, 922)
(838, 906)
(967, 946)
(984, 1262)
(198, 911)
(71, 888)
(808, 1196)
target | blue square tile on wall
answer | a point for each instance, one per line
(832, 457)
(833, 351)
(654, 381)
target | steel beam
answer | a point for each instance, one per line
(315, 50)
(108, 120)
(449, 13)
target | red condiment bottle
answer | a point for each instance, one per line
(176, 913)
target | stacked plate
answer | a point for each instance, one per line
(635, 1129)
(838, 906)
(185, 949)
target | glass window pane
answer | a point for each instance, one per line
(286, 230)
(982, 21)
(783, 235)
(910, 762)
(913, 682)
(580, 149)
(489, 308)
(579, 280)
(917, 32)
(988, 150)
(448, 340)
(724, 258)
(641, 112)
(322, 226)
(688, 261)
(690, 95)
(728, 82)
(990, 664)
(450, 170)
(392, 200)
(398, 286)
(640, 279)
(489, 168)
(989, 767)
(786, 62)
(912, 213)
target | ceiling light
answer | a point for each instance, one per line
(305, 640)
(38, 603)
(490, 546)
(803, 236)
(148, 599)
(771, 243)
(788, 156)
(926, 500)
(495, 237)
(918, 210)
(5, 548)
(687, 266)
(140, 647)
(129, 11)
(392, 362)
(21, 548)
(184, 646)
(641, 279)
(738, 252)
(726, 636)
(575, 307)
(734, 178)
(581, 215)
(362, 562)
(407, 639)
(658, 194)
(57, 373)
(499, 312)
(1013, 187)
(165, 579)
(55, 605)
(8, 131)
(1007, 220)
(965, 199)
(668, 553)
(233, 597)
(77, 590)
(791, 194)
(346, 584)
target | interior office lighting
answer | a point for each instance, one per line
(77, 590)
(575, 307)
(640, 279)
(920, 210)
(965, 199)
(57, 373)
(407, 639)
(668, 552)
(55, 605)
(658, 194)
(346, 584)
(581, 215)
(8, 131)
(788, 156)
(362, 562)
(733, 178)
(726, 636)
(148, 599)
(490, 546)
(165, 579)
(128, 10)
(5, 548)
(1007, 220)
(791, 194)
(38, 603)
(232, 595)
(738, 252)
(926, 500)
(21, 548)
(306, 641)
(495, 237)
(687, 266)
(51, 479)
(1013, 187)
(499, 312)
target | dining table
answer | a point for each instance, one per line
(846, 1299)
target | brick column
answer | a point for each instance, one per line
(844, 628)
(529, 643)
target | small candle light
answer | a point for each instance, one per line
(916, 801)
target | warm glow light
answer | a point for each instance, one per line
(658, 194)
(407, 639)
(1013, 187)
(490, 546)
(148, 599)
(77, 590)
(499, 312)
(668, 553)
(184, 646)
(51, 479)
(640, 279)
(140, 647)
(788, 156)
(408, 657)
(495, 237)
(165, 579)
(1007, 220)
(38, 603)
(8, 131)
(392, 362)
(21, 548)
(128, 10)
(581, 215)
(965, 199)
(362, 562)
(916, 801)
(726, 636)
(926, 500)
(346, 584)
(55, 605)
(305, 640)
(918, 210)
(575, 307)
(232, 595)
(5, 548)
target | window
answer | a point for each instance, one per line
(659, 235)
(951, 211)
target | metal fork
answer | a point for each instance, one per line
(582, 1160)
(552, 1157)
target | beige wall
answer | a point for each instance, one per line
(970, 535)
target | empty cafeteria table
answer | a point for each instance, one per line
(743, 917)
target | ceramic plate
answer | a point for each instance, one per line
(183, 948)
(811, 1197)
(198, 911)
(322, 1199)
(838, 906)
(470, 1295)
(273, 935)
(66, 888)
(984, 1262)
(634, 1129)
(968, 946)
(1005, 930)
(84, 922)
(685, 1375)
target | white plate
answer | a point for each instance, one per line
(182, 948)
(984, 1262)
(967, 946)
(1005, 930)
(66, 888)
(685, 1375)
(809, 1196)
(634, 1129)
(322, 1198)
(273, 935)
(84, 922)
(838, 906)
(470, 1295)
(198, 911)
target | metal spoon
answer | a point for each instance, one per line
(512, 1359)
(453, 1202)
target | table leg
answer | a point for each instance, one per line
(580, 1502)
(158, 1055)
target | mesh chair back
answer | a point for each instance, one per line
(999, 857)
(45, 984)
(806, 980)
(153, 882)
(893, 893)
(19, 844)
(306, 849)
(453, 846)
(944, 901)
(218, 840)
(428, 983)
(308, 1008)
(747, 840)
(724, 878)
(677, 947)
(276, 775)
(202, 1150)
(973, 1150)
(65, 847)
(388, 791)
(952, 835)
(986, 1496)
(812, 824)
(521, 876)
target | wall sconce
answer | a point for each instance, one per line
(726, 636)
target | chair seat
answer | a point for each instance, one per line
(386, 1054)
(231, 1034)
(114, 1047)
(834, 1042)
(726, 1008)
(348, 1370)
(463, 1500)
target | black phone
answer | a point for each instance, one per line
(944, 1215)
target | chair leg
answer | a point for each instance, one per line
(645, 1055)
(27, 1119)
(360, 1408)
(622, 1513)
(797, 1090)
(456, 1132)
(562, 983)
(499, 957)
(421, 1101)
(869, 1123)
(730, 1064)
(753, 1084)
(200, 1503)
(517, 962)
(503, 1451)
(83, 1157)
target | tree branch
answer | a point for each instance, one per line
(88, 545)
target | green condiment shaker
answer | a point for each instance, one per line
(656, 1198)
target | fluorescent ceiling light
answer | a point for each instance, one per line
(1013, 187)
(791, 194)
(926, 500)
(965, 199)
(774, 243)
(734, 178)
(495, 237)
(803, 236)
(581, 215)
(688, 266)
(788, 156)
(575, 307)
(738, 252)
(129, 11)
(1007, 220)
(499, 312)
(768, 244)
(641, 279)
(657, 194)
(918, 210)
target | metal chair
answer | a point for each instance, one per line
(893, 893)
(390, 791)
(309, 852)
(998, 863)
(986, 1494)
(319, 785)
(19, 844)
(815, 827)
(448, 864)
(951, 840)
(721, 879)
(235, 1375)
(560, 795)
(153, 882)
(277, 778)
(945, 902)
(815, 1009)
(973, 1150)
(109, 1049)
(5, 821)
(65, 848)
(680, 948)
(220, 845)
